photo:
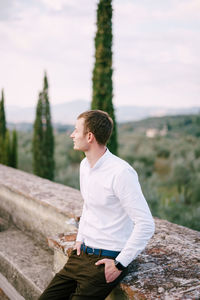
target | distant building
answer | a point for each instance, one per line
(152, 132)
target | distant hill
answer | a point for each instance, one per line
(172, 125)
(66, 113)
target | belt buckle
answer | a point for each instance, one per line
(92, 252)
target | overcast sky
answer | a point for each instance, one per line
(156, 51)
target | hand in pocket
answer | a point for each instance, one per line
(111, 272)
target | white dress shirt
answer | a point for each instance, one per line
(115, 213)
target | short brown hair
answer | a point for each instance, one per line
(99, 123)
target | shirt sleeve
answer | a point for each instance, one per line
(127, 189)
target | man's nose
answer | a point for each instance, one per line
(72, 135)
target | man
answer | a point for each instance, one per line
(116, 222)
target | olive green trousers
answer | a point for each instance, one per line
(81, 279)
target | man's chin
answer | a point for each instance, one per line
(76, 148)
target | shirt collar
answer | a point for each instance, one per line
(100, 161)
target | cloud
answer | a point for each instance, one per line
(156, 50)
(38, 41)
(7, 9)
(55, 5)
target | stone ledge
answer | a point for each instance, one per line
(36, 205)
(7, 291)
(24, 263)
(168, 269)
(63, 199)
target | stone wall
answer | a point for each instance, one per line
(36, 205)
(169, 268)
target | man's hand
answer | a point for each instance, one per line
(77, 247)
(111, 272)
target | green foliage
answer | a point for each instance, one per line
(144, 164)
(43, 139)
(13, 153)
(2, 117)
(7, 149)
(178, 213)
(197, 152)
(102, 72)
(69, 176)
(1, 150)
(162, 151)
(67, 161)
(2, 129)
(9, 156)
(171, 184)
(75, 157)
(182, 178)
(25, 151)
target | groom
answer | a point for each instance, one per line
(116, 222)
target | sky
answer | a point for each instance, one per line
(156, 46)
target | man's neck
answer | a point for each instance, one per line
(94, 154)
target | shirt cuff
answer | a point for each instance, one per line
(126, 260)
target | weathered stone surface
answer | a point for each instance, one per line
(62, 246)
(63, 242)
(4, 224)
(3, 295)
(37, 205)
(27, 266)
(169, 267)
(65, 200)
(7, 291)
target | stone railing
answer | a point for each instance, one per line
(37, 205)
(34, 209)
(169, 268)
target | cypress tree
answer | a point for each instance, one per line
(37, 139)
(48, 145)
(2, 117)
(43, 139)
(7, 152)
(1, 150)
(13, 154)
(2, 129)
(102, 72)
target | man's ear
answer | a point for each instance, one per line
(90, 137)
